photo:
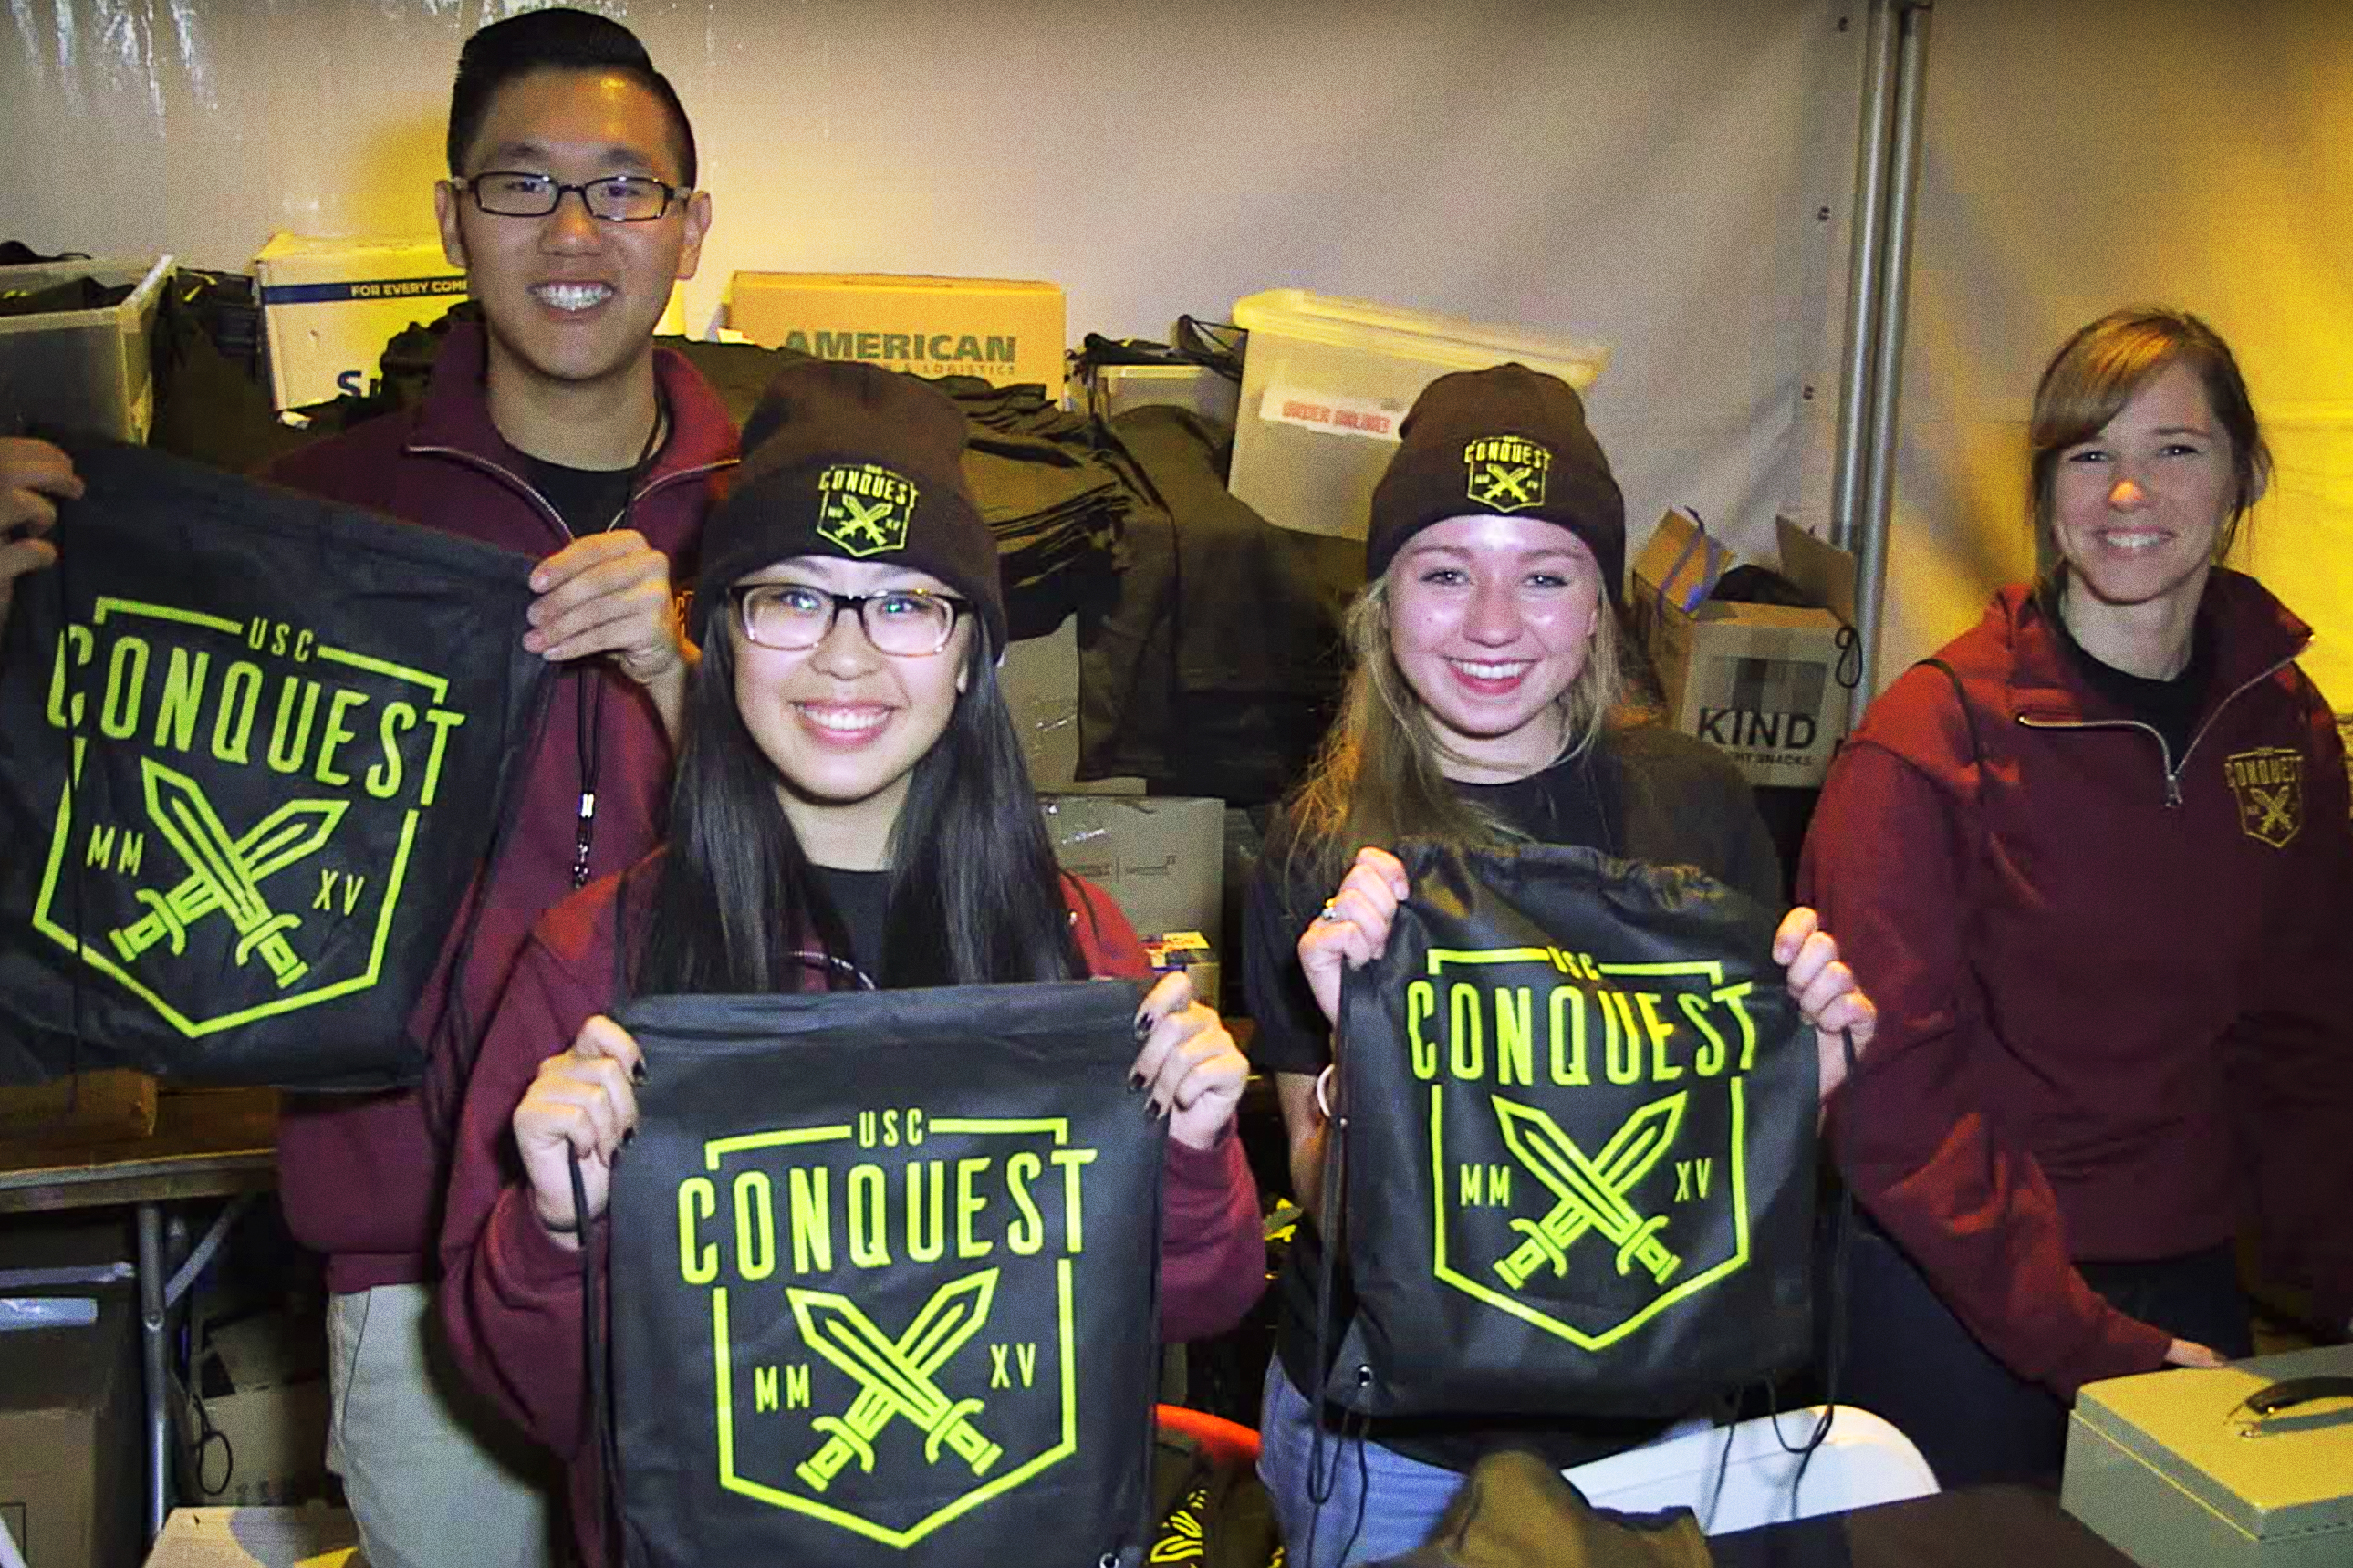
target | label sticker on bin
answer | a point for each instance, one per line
(1331, 414)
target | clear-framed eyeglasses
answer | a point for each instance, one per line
(617, 198)
(906, 622)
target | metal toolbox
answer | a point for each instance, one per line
(2227, 1468)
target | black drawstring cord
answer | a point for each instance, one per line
(592, 1317)
(591, 720)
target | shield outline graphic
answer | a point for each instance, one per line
(1466, 1279)
(1056, 1128)
(94, 952)
(887, 527)
(2260, 808)
(1528, 487)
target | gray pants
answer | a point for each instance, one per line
(434, 1473)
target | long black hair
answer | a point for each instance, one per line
(736, 906)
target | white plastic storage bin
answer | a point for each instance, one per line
(1326, 382)
(82, 370)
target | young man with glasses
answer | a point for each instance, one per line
(551, 426)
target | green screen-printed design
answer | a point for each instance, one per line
(266, 790)
(1587, 1133)
(869, 1369)
(1507, 472)
(864, 508)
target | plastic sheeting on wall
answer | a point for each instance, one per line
(2105, 152)
(1667, 178)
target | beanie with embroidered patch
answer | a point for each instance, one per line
(1505, 441)
(853, 462)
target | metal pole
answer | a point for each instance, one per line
(1862, 273)
(153, 1274)
(1887, 373)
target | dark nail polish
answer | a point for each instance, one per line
(637, 1073)
(1134, 1082)
(1159, 1110)
(1142, 1025)
(629, 1136)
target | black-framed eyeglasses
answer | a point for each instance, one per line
(616, 198)
(906, 622)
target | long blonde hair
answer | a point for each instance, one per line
(1380, 776)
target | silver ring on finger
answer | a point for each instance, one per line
(1330, 912)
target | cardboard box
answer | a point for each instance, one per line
(264, 1390)
(316, 1536)
(71, 1455)
(1002, 330)
(1039, 679)
(82, 370)
(1190, 952)
(2176, 1472)
(1162, 858)
(1765, 683)
(330, 306)
(112, 1105)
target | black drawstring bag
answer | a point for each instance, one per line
(1578, 1142)
(253, 747)
(885, 1279)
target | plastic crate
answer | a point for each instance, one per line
(82, 370)
(1326, 382)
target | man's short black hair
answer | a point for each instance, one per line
(557, 39)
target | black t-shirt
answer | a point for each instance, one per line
(2170, 706)
(862, 900)
(589, 501)
(1647, 794)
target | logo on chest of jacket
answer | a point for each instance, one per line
(244, 798)
(2269, 783)
(893, 1312)
(865, 509)
(1587, 1131)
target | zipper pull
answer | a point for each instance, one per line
(2172, 789)
(583, 836)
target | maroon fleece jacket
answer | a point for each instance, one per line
(359, 1176)
(2112, 1015)
(510, 1296)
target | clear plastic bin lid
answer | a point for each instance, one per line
(1368, 325)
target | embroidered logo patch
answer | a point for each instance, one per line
(864, 508)
(1507, 472)
(2269, 783)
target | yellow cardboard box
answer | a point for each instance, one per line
(1002, 330)
(1768, 684)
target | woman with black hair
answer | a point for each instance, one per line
(850, 800)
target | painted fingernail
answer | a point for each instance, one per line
(1134, 1082)
(1142, 1025)
(629, 1136)
(637, 1073)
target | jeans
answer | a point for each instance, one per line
(1381, 1504)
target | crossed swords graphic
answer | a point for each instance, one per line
(864, 519)
(224, 873)
(895, 1377)
(2275, 806)
(1592, 1191)
(1503, 481)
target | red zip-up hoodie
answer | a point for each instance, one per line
(358, 1174)
(2114, 1021)
(510, 1296)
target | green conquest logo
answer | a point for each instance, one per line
(1587, 1242)
(888, 1421)
(227, 918)
(1506, 472)
(864, 508)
